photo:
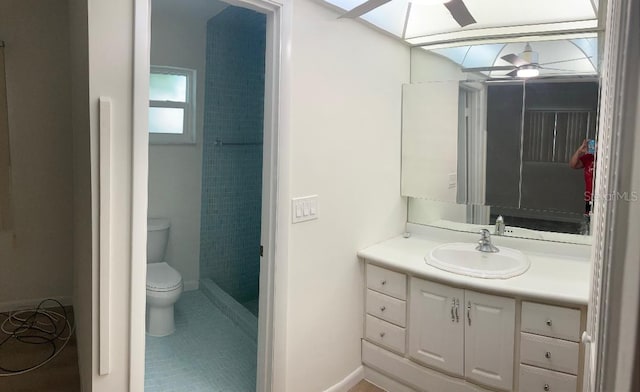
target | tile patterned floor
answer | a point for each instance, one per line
(252, 306)
(206, 353)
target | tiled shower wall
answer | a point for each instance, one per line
(232, 174)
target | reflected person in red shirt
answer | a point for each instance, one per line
(584, 159)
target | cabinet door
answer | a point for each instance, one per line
(435, 333)
(489, 339)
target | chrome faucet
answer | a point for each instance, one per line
(499, 226)
(485, 245)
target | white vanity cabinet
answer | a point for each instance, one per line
(462, 332)
(435, 337)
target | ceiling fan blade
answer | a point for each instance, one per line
(495, 68)
(559, 69)
(363, 8)
(515, 60)
(460, 13)
(513, 73)
(564, 61)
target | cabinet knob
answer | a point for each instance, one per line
(547, 355)
(548, 322)
(383, 308)
(382, 334)
(383, 282)
(546, 387)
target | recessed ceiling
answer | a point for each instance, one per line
(560, 56)
(420, 24)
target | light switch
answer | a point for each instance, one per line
(304, 208)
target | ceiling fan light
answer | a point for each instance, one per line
(528, 72)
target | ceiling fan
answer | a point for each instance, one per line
(457, 8)
(524, 65)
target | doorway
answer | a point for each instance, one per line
(225, 171)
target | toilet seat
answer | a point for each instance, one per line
(162, 277)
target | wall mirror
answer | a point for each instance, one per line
(479, 141)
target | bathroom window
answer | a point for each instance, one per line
(172, 105)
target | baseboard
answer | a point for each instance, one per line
(191, 285)
(243, 318)
(32, 303)
(348, 382)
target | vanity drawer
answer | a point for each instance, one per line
(549, 353)
(387, 282)
(534, 379)
(385, 334)
(387, 308)
(553, 321)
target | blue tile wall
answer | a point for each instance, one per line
(232, 174)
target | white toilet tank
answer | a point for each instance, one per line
(157, 236)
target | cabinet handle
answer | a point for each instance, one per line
(469, 312)
(457, 316)
(453, 303)
(546, 387)
(382, 334)
(383, 308)
(548, 322)
(383, 282)
(547, 355)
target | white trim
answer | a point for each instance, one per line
(10, 306)
(140, 176)
(348, 382)
(275, 190)
(580, 26)
(612, 323)
(106, 197)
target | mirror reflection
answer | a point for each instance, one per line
(520, 148)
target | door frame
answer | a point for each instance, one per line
(275, 183)
(612, 327)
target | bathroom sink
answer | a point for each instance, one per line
(463, 259)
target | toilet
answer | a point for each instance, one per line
(164, 284)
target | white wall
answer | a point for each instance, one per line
(341, 141)
(344, 146)
(175, 171)
(36, 257)
(430, 67)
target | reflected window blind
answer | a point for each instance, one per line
(5, 155)
(554, 135)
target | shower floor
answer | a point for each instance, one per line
(208, 352)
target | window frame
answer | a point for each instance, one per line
(188, 135)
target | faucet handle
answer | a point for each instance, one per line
(485, 233)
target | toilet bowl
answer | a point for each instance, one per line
(164, 283)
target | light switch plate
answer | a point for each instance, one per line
(453, 180)
(304, 208)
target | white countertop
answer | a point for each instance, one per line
(559, 272)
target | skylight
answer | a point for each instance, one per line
(557, 56)
(420, 24)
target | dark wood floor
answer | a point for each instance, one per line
(59, 375)
(364, 386)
